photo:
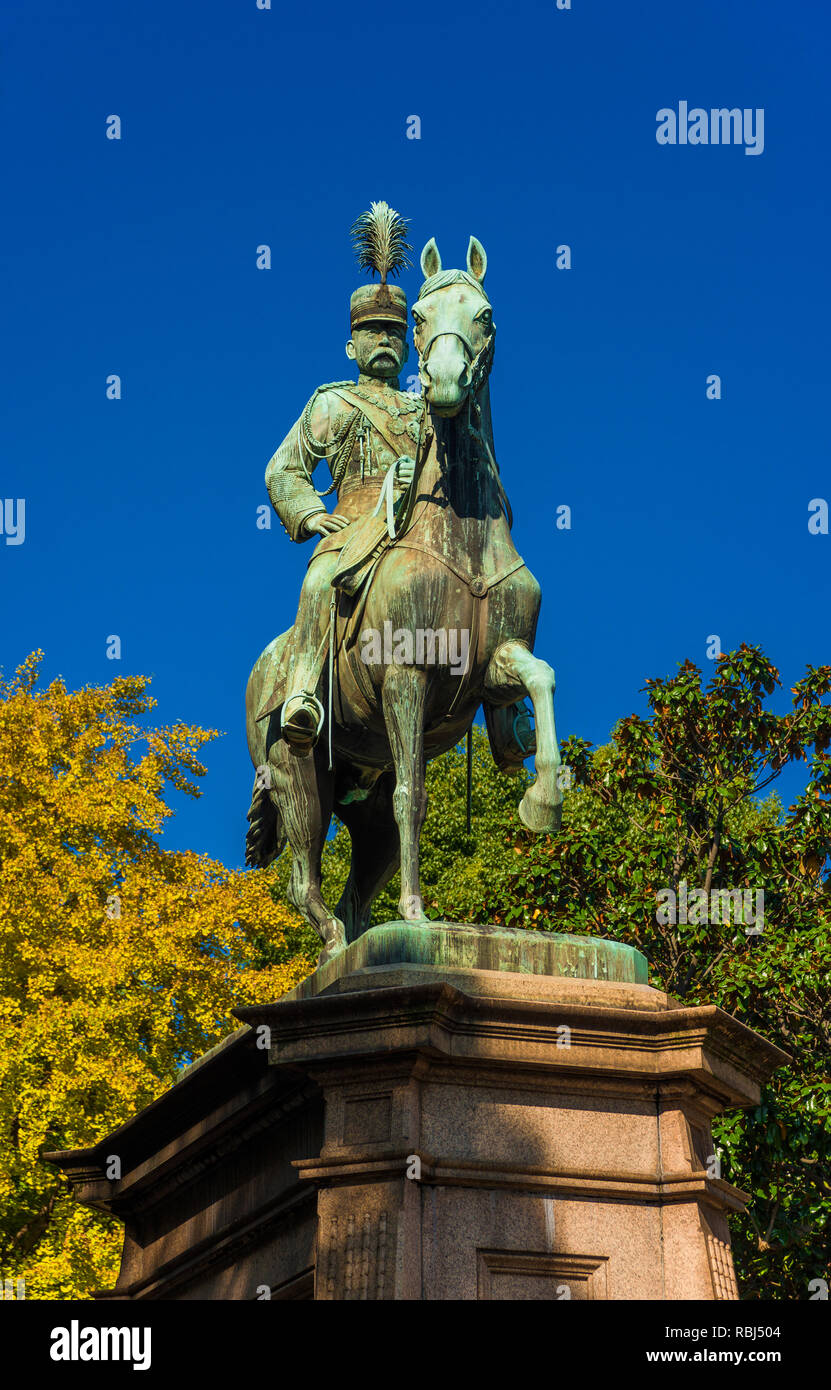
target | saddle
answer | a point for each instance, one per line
(367, 542)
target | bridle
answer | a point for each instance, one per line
(480, 362)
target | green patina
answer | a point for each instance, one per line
(451, 946)
(419, 545)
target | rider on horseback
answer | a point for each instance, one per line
(420, 538)
(365, 430)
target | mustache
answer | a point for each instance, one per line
(384, 352)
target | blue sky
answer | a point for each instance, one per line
(244, 127)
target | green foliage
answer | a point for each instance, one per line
(119, 959)
(675, 799)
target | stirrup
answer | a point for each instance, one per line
(301, 721)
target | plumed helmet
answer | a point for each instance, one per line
(378, 237)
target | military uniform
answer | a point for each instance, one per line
(370, 445)
(362, 429)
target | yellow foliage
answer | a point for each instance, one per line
(119, 960)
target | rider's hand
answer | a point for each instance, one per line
(404, 470)
(322, 524)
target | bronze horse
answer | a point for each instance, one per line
(452, 567)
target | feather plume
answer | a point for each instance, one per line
(378, 237)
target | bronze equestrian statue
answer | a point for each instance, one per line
(416, 608)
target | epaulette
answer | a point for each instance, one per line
(327, 386)
(307, 409)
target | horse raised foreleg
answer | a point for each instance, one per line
(403, 698)
(513, 667)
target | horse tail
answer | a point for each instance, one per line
(265, 839)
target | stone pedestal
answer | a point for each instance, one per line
(442, 1112)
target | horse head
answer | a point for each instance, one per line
(453, 329)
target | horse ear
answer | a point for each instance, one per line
(477, 261)
(430, 259)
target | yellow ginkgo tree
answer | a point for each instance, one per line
(119, 960)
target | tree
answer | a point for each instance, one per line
(119, 960)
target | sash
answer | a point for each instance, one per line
(377, 417)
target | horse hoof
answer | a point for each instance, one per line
(412, 909)
(334, 941)
(539, 816)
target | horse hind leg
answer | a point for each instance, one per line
(375, 854)
(302, 789)
(514, 670)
